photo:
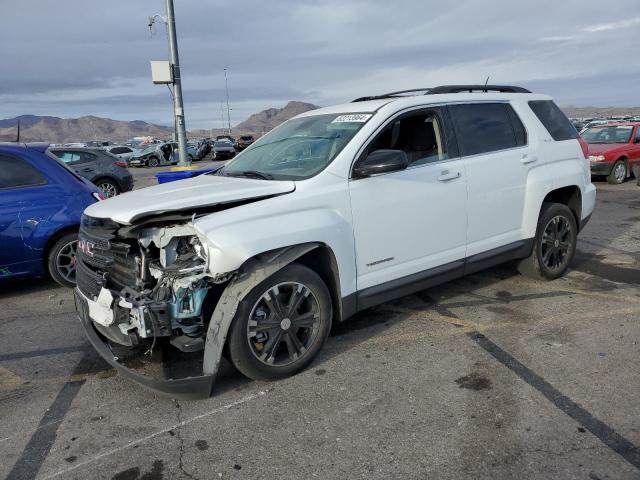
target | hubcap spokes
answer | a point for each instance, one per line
(557, 239)
(108, 190)
(66, 261)
(620, 173)
(283, 324)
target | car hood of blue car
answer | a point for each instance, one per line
(182, 195)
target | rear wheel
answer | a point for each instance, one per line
(153, 162)
(62, 260)
(281, 325)
(109, 187)
(554, 243)
(618, 172)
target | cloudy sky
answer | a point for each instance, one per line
(70, 58)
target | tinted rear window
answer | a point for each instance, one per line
(487, 127)
(17, 172)
(556, 123)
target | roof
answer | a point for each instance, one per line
(38, 146)
(405, 101)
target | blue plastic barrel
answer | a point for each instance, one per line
(166, 177)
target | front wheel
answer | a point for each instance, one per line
(62, 260)
(618, 173)
(153, 162)
(281, 325)
(554, 243)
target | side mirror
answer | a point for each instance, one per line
(381, 161)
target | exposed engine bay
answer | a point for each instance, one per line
(146, 282)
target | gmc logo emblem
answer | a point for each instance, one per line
(86, 247)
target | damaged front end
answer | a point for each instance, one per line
(148, 287)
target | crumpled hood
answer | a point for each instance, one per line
(201, 191)
(604, 148)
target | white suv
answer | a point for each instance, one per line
(334, 211)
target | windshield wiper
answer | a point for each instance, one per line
(250, 174)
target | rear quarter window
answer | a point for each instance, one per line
(17, 172)
(556, 122)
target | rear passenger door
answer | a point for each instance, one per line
(27, 199)
(497, 159)
(83, 163)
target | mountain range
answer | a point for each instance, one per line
(35, 128)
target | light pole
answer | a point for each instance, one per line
(226, 87)
(178, 107)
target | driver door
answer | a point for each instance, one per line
(410, 226)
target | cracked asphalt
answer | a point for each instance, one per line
(494, 376)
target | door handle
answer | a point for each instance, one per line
(526, 158)
(447, 175)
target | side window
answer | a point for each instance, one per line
(637, 140)
(86, 157)
(68, 157)
(17, 172)
(486, 127)
(556, 123)
(423, 136)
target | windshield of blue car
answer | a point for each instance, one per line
(298, 149)
(608, 134)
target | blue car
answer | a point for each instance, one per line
(41, 202)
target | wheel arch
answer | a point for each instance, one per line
(251, 273)
(53, 239)
(571, 196)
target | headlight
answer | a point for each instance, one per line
(596, 158)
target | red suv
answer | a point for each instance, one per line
(614, 150)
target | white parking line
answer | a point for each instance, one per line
(246, 399)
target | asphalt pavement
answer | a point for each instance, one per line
(494, 376)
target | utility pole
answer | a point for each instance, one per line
(175, 83)
(226, 87)
(178, 107)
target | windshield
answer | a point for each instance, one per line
(611, 134)
(298, 149)
(223, 144)
(146, 150)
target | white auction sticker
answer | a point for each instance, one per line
(353, 118)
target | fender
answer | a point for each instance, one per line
(252, 273)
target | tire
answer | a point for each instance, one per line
(110, 188)
(153, 162)
(553, 250)
(61, 260)
(636, 173)
(618, 173)
(190, 157)
(262, 343)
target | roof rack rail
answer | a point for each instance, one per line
(476, 88)
(391, 94)
(448, 89)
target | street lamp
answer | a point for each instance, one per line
(226, 87)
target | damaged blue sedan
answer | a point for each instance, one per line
(41, 203)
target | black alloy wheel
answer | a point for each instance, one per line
(281, 325)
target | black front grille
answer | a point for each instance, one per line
(104, 260)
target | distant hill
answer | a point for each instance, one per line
(34, 128)
(62, 130)
(262, 122)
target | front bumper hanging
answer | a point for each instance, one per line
(181, 388)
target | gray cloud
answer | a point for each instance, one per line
(81, 57)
